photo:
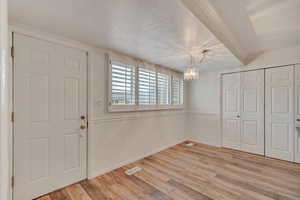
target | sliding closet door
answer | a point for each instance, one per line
(231, 108)
(297, 109)
(252, 111)
(280, 113)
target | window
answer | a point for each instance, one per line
(163, 88)
(147, 87)
(122, 84)
(177, 90)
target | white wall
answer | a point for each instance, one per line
(204, 95)
(121, 138)
(203, 108)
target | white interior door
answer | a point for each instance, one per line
(297, 103)
(231, 111)
(252, 112)
(50, 98)
(280, 113)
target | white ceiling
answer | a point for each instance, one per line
(161, 31)
(276, 22)
(250, 27)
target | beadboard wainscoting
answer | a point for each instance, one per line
(204, 128)
(117, 141)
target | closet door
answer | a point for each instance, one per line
(297, 103)
(280, 113)
(231, 111)
(252, 112)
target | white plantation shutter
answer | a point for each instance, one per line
(147, 87)
(135, 85)
(177, 90)
(122, 84)
(181, 91)
(163, 88)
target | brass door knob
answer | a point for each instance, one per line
(82, 127)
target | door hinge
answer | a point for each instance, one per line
(12, 181)
(12, 52)
(13, 116)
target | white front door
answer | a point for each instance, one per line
(231, 111)
(280, 113)
(252, 112)
(50, 96)
(297, 114)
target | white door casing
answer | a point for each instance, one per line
(297, 113)
(50, 98)
(231, 134)
(279, 120)
(252, 111)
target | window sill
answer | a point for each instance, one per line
(121, 108)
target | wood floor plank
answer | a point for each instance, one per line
(200, 172)
(60, 195)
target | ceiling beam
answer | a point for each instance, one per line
(229, 22)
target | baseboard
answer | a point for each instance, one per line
(100, 172)
(215, 144)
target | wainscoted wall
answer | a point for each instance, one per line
(116, 139)
(203, 109)
(204, 128)
(203, 106)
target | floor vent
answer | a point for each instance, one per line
(133, 171)
(190, 144)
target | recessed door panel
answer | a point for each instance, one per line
(50, 97)
(252, 111)
(231, 105)
(280, 113)
(250, 132)
(39, 159)
(280, 136)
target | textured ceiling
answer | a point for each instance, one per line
(250, 27)
(276, 22)
(161, 31)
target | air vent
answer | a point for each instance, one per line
(133, 171)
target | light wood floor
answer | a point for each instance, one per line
(200, 172)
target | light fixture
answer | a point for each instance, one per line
(191, 72)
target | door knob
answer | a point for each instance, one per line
(298, 120)
(82, 117)
(82, 127)
(238, 116)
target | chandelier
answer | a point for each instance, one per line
(191, 72)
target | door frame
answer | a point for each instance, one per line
(37, 34)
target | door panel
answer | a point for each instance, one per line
(252, 111)
(231, 107)
(297, 114)
(280, 113)
(50, 97)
